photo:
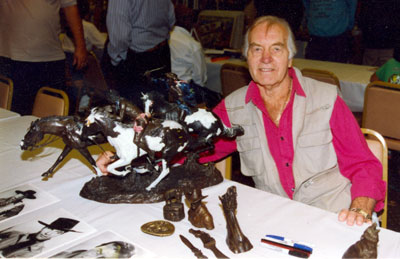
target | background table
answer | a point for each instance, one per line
(353, 78)
(258, 213)
(7, 114)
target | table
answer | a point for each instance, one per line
(258, 213)
(353, 78)
(7, 114)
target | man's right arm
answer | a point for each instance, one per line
(119, 28)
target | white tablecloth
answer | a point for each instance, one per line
(353, 78)
(258, 213)
(7, 114)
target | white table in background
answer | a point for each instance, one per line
(7, 114)
(258, 212)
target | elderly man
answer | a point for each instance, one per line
(301, 141)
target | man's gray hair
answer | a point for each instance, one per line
(271, 20)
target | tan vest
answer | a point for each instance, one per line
(318, 181)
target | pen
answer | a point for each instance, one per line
(290, 242)
(285, 248)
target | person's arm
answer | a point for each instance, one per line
(75, 24)
(358, 164)
(118, 26)
(104, 160)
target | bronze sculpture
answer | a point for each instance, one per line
(198, 213)
(236, 240)
(173, 209)
(208, 242)
(367, 246)
(70, 129)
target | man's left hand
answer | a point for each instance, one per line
(360, 211)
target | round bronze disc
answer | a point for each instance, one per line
(159, 228)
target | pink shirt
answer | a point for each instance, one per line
(356, 161)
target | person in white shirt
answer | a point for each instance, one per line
(187, 56)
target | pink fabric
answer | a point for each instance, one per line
(356, 161)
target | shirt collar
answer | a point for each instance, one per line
(253, 93)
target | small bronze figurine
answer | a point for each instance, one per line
(208, 242)
(367, 246)
(236, 240)
(173, 209)
(198, 213)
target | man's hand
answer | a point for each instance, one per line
(104, 160)
(358, 207)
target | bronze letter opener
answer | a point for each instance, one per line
(208, 242)
(196, 251)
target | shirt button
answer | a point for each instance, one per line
(287, 164)
(293, 189)
(282, 138)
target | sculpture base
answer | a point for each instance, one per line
(131, 188)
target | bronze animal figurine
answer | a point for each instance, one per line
(198, 213)
(367, 246)
(173, 209)
(71, 130)
(236, 240)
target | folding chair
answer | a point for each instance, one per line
(233, 77)
(50, 101)
(381, 111)
(6, 92)
(377, 145)
(321, 75)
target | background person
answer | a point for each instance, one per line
(390, 71)
(30, 50)
(329, 24)
(138, 33)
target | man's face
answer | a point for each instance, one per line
(268, 55)
(47, 233)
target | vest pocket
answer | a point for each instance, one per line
(250, 153)
(316, 151)
(328, 190)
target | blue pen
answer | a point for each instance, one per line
(290, 242)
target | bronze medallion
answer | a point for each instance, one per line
(159, 228)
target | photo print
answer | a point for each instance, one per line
(105, 245)
(23, 199)
(42, 233)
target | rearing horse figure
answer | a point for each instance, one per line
(159, 139)
(70, 129)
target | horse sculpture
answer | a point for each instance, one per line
(159, 139)
(200, 122)
(70, 129)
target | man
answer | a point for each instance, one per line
(18, 244)
(301, 141)
(138, 34)
(329, 23)
(30, 49)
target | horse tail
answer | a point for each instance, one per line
(233, 132)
